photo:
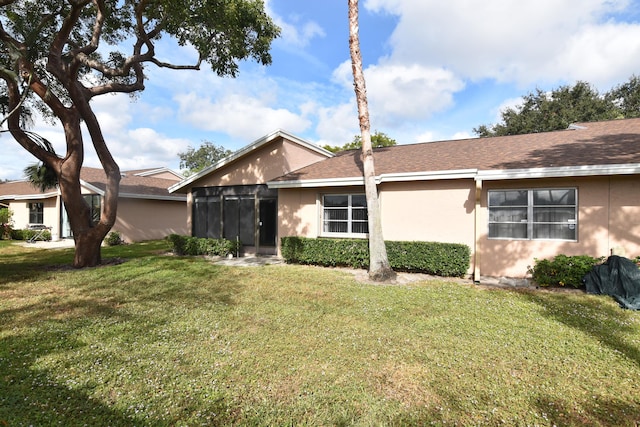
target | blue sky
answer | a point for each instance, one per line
(434, 70)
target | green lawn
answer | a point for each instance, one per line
(161, 340)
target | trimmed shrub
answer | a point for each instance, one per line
(563, 270)
(26, 234)
(113, 239)
(187, 245)
(442, 259)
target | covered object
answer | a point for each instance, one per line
(618, 277)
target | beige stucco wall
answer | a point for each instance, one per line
(435, 211)
(20, 209)
(415, 211)
(606, 211)
(444, 211)
(265, 163)
(139, 220)
(298, 213)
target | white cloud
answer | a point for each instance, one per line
(506, 104)
(403, 92)
(295, 33)
(425, 137)
(337, 125)
(145, 148)
(462, 135)
(409, 91)
(237, 115)
(523, 42)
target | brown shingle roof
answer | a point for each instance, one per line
(130, 185)
(584, 144)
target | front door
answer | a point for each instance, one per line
(268, 221)
(239, 219)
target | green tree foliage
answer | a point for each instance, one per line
(193, 161)
(543, 112)
(378, 139)
(626, 98)
(56, 56)
(41, 176)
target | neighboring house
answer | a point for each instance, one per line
(146, 209)
(511, 199)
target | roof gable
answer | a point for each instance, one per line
(245, 152)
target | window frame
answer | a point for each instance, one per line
(530, 220)
(350, 220)
(36, 211)
(94, 201)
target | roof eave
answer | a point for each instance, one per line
(39, 196)
(559, 172)
(179, 198)
(385, 177)
(478, 175)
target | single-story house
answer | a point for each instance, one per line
(146, 209)
(511, 199)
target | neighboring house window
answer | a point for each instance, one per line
(95, 206)
(36, 213)
(534, 214)
(345, 214)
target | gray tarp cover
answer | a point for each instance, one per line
(618, 277)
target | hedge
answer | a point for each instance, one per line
(187, 245)
(26, 234)
(441, 259)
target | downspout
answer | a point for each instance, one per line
(477, 228)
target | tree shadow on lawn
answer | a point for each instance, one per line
(34, 395)
(600, 411)
(31, 395)
(32, 265)
(594, 315)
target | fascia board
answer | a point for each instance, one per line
(310, 183)
(91, 187)
(152, 197)
(389, 177)
(157, 171)
(38, 196)
(559, 172)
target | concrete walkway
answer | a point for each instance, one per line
(57, 244)
(248, 261)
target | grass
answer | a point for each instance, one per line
(161, 340)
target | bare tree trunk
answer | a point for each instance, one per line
(379, 267)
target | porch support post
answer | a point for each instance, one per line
(477, 230)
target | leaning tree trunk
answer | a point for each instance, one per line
(379, 267)
(87, 236)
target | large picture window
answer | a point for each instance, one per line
(36, 213)
(345, 214)
(533, 214)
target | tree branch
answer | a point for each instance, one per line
(97, 29)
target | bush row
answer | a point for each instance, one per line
(442, 259)
(563, 270)
(26, 234)
(187, 245)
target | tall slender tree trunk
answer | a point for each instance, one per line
(379, 267)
